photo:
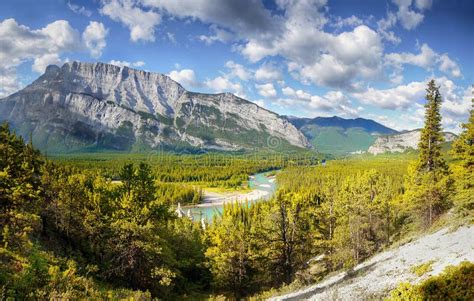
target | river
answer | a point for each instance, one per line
(262, 188)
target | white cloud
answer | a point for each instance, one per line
(408, 17)
(223, 84)
(268, 72)
(423, 4)
(140, 22)
(20, 43)
(409, 100)
(383, 28)
(266, 90)
(137, 64)
(81, 10)
(351, 21)
(333, 102)
(8, 81)
(94, 38)
(237, 70)
(40, 63)
(448, 66)
(350, 56)
(44, 46)
(427, 59)
(218, 35)
(185, 77)
(400, 97)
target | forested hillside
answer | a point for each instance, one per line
(107, 229)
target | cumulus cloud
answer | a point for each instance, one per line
(409, 18)
(427, 59)
(333, 102)
(266, 90)
(449, 66)
(94, 38)
(223, 84)
(410, 98)
(43, 46)
(8, 81)
(238, 70)
(268, 72)
(140, 22)
(185, 77)
(400, 97)
(40, 63)
(316, 56)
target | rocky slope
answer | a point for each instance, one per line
(337, 135)
(401, 142)
(90, 106)
(373, 279)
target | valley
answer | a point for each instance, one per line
(288, 208)
(224, 150)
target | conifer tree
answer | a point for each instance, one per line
(430, 158)
(429, 184)
(463, 150)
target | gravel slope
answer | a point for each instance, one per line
(383, 272)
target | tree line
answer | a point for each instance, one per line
(72, 232)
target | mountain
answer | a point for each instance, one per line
(401, 142)
(96, 106)
(337, 135)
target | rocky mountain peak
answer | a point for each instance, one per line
(97, 105)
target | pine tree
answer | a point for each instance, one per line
(429, 184)
(463, 150)
(430, 158)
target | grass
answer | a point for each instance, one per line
(422, 269)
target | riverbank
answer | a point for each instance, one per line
(261, 187)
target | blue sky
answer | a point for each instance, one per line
(309, 58)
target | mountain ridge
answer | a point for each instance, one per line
(340, 136)
(83, 105)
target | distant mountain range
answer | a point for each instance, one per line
(337, 135)
(97, 107)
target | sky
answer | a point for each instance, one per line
(308, 58)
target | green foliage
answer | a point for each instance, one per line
(114, 235)
(421, 269)
(463, 151)
(455, 283)
(229, 252)
(428, 183)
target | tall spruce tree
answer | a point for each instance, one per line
(429, 184)
(463, 150)
(430, 158)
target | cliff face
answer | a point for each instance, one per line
(93, 106)
(401, 142)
